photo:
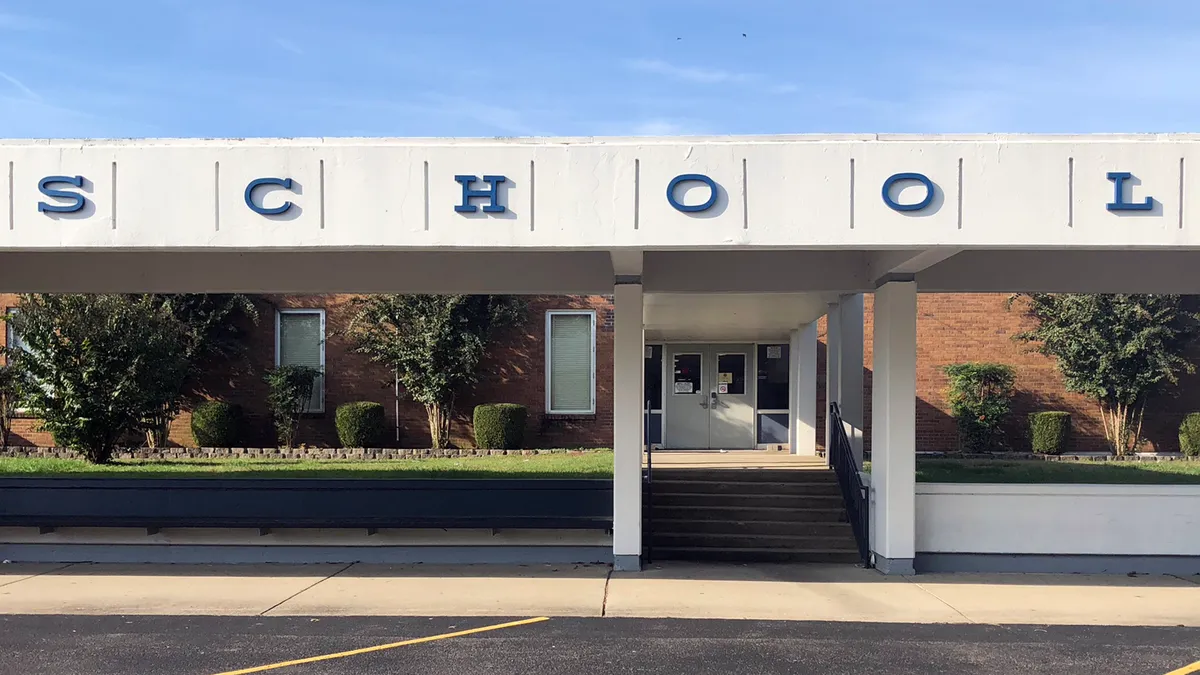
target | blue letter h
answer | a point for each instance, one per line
(490, 194)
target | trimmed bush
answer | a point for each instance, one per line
(1189, 435)
(216, 424)
(1049, 432)
(361, 424)
(500, 426)
(980, 396)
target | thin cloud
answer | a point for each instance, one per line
(18, 22)
(29, 93)
(709, 75)
(288, 46)
(699, 75)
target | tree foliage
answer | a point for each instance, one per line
(212, 327)
(289, 391)
(980, 397)
(433, 343)
(11, 381)
(1119, 350)
(98, 368)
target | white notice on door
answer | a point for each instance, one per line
(722, 388)
(774, 351)
(683, 387)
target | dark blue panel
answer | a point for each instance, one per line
(773, 428)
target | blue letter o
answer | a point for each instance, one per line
(689, 178)
(901, 177)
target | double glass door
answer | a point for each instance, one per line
(709, 397)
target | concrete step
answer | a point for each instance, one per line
(839, 555)
(814, 487)
(741, 541)
(749, 513)
(748, 499)
(747, 475)
(701, 526)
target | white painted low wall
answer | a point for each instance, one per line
(1127, 520)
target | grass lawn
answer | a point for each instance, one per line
(582, 464)
(1033, 471)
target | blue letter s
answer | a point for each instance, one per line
(77, 200)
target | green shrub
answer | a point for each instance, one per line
(289, 391)
(361, 424)
(980, 397)
(1189, 435)
(216, 424)
(1049, 432)
(500, 426)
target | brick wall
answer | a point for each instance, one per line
(951, 328)
(512, 372)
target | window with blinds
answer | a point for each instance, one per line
(571, 362)
(12, 339)
(300, 341)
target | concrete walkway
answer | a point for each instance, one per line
(807, 593)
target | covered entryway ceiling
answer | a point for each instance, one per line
(730, 317)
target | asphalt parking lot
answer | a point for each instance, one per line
(138, 645)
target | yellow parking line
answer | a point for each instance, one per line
(393, 645)
(1186, 670)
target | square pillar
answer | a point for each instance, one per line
(802, 425)
(833, 366)
(894, 428)
(850, 367)
(628, 424)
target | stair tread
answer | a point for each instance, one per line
(755, 549)
(706, 538)
(776, 509)
(742, 521)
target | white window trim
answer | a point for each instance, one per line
(22, 411)
(549, 318)
(303, 310)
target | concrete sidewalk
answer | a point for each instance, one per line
(786, 592)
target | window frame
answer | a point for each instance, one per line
(304, 310)
(8, 329)
(550, 314)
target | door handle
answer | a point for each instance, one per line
(703, 402)
(715, 401)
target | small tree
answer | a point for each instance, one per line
(433, 343)
(10, 398)
(211, 331)
(980, 398)
(1119, 350)
(290, 390)
(98, 367)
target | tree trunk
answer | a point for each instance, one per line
(439, 415)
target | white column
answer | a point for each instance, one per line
(850, 365)
(802, 427)
(628, 369)
(833, 366)
(894, 428)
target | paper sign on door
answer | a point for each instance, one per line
(724, 378)
(722, 388)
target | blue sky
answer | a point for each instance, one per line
(617, 67)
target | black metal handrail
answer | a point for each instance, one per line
(648, 482)
(854, 493)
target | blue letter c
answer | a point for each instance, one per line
(690, 178)
(285, 183)
(901, 177)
